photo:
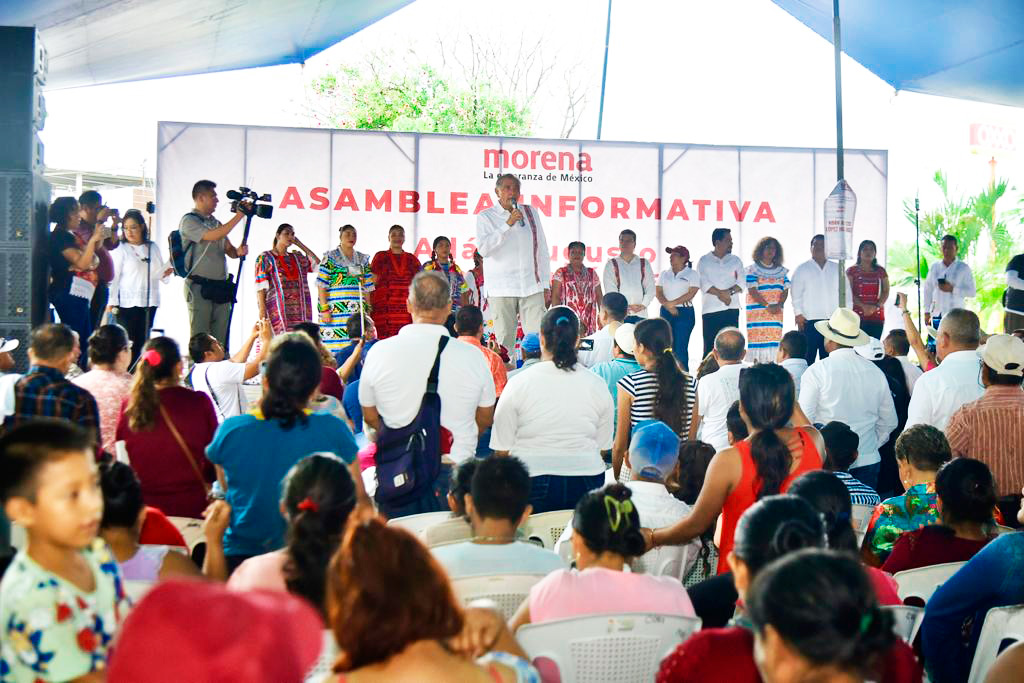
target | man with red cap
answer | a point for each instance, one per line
(675, 291)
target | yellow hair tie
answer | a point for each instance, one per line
(668, 350)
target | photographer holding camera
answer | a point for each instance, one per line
(92, 215)
(208, 289)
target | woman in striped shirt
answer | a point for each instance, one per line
(659, 391)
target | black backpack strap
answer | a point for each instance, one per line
(432, 379)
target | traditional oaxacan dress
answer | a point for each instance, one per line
(348, 284)
(456, 279)
(284, 280)
(579, 292)
(392, 274)
(764, 329)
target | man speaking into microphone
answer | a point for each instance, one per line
(512, 240)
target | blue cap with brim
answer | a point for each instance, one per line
(530, 343)
(653, 450)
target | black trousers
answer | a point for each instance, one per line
(713, 323)
(815, 342)
(99, 303)
(133, 319)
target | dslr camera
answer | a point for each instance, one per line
(251, 203)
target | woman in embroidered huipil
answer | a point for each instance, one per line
(393, 270)
(578, 287)
(441, 259)
(344, 286)
(282, 290)
(767, 290)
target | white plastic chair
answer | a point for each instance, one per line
(666, 560)
(547, 527)
(906, 621)
(1001, 624)
(417, 524)
(506, 591)
(606, 647)
(191, 529)
(322, 667)
(861, 517)
(448, 531)
(921, 582)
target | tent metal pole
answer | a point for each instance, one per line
(838, 45)
(917, 245)
(604, 70)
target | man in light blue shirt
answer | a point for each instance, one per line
(497, 505)
(530, 349)
(621, 364)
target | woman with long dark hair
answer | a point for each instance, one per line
(318, 497)
(393, 270)
(73, 263)
(869, 289)
(254, 452)
(166, 428)
(442, 261)
(556, 418)
(659, 391)
(133, 298)
(761, 465)
(282, 286)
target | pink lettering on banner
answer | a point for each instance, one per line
(592, 207)
(382, 202)
(644, 210)
(458, 205)
(346, 200)
(677, 209)
(291, 198)
(320, 199)
(408, 201)
(620, 207)
(737, 213)
(485, 202)
(423, 248)
(764, 212)
(431, 207)
(566, 205)
(542, 204)
(701, 205)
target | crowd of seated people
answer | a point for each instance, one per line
(104, 587)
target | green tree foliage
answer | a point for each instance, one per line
(414, 100)
(969, 219)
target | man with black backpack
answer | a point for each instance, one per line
(416, 386)
(208, 291)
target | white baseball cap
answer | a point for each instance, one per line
(7, 345)
(1004, 354)
(624, 338)
(873, 350)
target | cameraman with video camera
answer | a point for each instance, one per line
(208, 290)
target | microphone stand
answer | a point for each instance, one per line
(238, 278)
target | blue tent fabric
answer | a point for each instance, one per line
(90, 42)
(968, 49)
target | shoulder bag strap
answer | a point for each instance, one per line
(213, 394)
(432, 379)
(184, 448)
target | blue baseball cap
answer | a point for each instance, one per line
(530, 343)
(653, 450)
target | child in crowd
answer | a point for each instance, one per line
(62, 598)
(736, 427)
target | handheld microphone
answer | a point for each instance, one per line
(515, 207)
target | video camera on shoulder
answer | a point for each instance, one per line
(258, 205)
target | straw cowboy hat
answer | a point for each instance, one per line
(843, 328)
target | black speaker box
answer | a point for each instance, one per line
(23, 65)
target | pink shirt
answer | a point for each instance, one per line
(569, 593)
(264, 571)
(109, 388)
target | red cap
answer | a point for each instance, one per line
(679, 249)
(198, 631)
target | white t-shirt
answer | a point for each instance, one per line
(635, 281)
(222, 382)
(482, 559)
(674, 285)
(796, 367)
(715, 394)
(395, 375)
(722, 273)
(556, 421)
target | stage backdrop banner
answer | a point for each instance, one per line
(435, 184)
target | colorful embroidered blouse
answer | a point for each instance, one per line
(456, 279)
(52, 630)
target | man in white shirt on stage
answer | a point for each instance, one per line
(815, 294)
(721, 276)
(940, 392)
(630, 275)
(948, 283)
(512, 238)
(851, 389)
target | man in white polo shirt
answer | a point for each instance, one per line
(948, 283)
(815, 294)
(630, 275)
(512, 239)
(721, 281)
(719, 390)
(395, 376)
(940, 392)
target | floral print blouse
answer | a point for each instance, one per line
(914, 509)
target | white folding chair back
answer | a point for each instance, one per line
(417, 524)
(191, 529)
(906, 620)
(861, 517)
(666, 560)
(506, 591)
(547, 527)
(448, 531)
(1001, 624)
(606, 647)
(322, 668)
(922, 582)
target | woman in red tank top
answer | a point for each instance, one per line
(761, 465)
